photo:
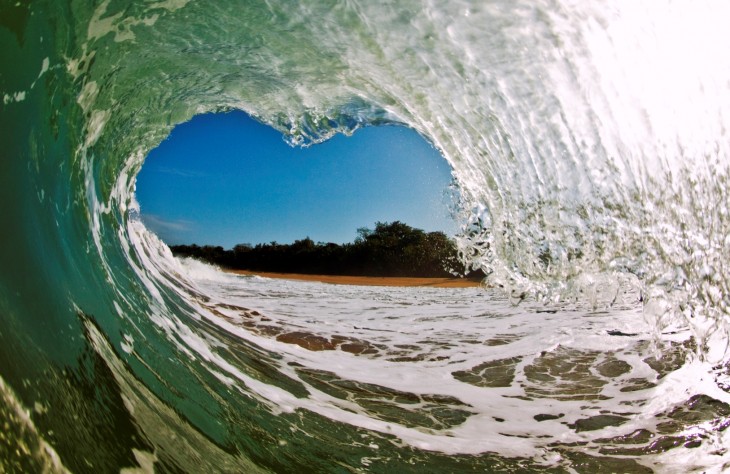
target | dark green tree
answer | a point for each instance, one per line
(390, 249)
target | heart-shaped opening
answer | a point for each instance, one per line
(228, 181)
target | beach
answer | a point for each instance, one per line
(367, 280)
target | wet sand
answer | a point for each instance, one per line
(369, 281)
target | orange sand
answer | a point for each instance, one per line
(369, 281)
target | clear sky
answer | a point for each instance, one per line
(224, 179)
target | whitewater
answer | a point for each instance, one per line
(589, 145)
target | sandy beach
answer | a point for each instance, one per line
(368, 281)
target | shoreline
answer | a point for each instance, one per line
(367, 280)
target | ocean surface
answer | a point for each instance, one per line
(589, 143)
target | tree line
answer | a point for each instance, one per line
(390, 249)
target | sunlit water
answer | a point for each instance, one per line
(589, 143)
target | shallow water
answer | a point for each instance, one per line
(589, 144)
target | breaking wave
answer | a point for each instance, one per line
(589, 145)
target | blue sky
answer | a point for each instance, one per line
(224, 179)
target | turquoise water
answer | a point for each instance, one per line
(590, 146)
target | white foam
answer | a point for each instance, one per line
(433, 320)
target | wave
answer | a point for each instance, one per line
(590, 149)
